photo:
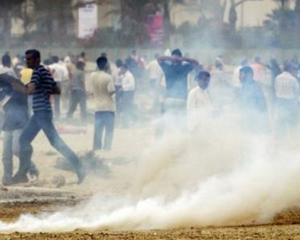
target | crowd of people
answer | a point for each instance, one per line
(176, 87)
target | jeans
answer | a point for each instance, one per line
(78, 97)
(104, 128)
(42, 120)
(11, 147)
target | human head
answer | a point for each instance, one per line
(6, 60)
(33, 58)
(102, 63)
(203, 79)
(176, 53)
(246, 74)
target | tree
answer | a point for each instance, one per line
(284, 23)
(9, 9)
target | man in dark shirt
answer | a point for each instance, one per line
(41, 87)
(176, 69)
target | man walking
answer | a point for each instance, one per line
(41, 87)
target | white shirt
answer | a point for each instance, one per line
(128, 81)
(236, 77)
(58, 72)
(198, 99)
(286, 86)
(154, 70)
(8, 71)
(103, 89)
(199, 106)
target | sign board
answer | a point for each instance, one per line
(87, 20)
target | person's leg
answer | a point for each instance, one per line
(99, 128)
(109, 130)
(125, 109)
(7, 157)
(44, 120)
(82, 102)
(73, 103)
(27, 136)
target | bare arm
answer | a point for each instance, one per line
(178, 59)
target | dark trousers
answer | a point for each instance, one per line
(78, 97)
(104, 128)
(42, 120)
(57, 102)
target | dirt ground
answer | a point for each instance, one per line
(278, 231)
(109, 176)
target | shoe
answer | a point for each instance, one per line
(20, 178)
(7, 181)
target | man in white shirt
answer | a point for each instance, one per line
(199, 104)
(127, 97)
(156, 78)
(155, 72)
(59, 75)
(287, 98)
(103, 90)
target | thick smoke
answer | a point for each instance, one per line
(221, 174)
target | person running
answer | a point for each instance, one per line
(42, 86)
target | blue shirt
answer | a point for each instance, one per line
(176, 78)
(44, 84)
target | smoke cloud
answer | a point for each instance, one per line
(220, 174)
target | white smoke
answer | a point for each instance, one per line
(218, 175)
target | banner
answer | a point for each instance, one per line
(87, 20)
(155, 28)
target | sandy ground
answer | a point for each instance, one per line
(109, 174)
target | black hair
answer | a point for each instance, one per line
(246, 70)
(176, 52)
(6, 60)
(202, 74)
(102, 63)
(35, 53)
